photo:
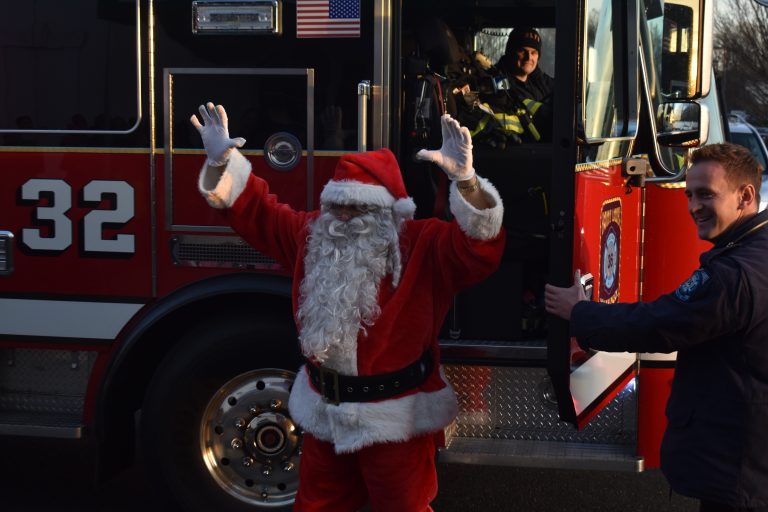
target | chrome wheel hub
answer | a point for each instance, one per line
(249, 443)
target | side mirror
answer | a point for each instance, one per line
(686, 49)
(682, 124)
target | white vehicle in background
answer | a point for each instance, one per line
(746, 135)
(763, 131)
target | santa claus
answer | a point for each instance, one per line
(371, 290)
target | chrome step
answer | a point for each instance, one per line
(541, 454)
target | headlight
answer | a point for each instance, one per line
(228, 17)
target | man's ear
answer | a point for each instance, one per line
(747, 196)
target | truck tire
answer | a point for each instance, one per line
(215, 428)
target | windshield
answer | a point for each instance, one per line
(600, 106)
(653, 15)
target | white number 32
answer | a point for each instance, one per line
(60, 234)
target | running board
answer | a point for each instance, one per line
(541, 454)
(37, 425)
(531, 352)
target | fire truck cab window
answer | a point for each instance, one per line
(601, 108)
(69, 70)
(492, 43)
(464, 58)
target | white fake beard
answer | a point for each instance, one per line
(338, 297)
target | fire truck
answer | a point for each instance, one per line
(132, 316)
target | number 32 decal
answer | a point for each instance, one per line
(60, 236)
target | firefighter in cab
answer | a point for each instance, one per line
(522, 92)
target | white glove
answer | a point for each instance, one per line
(215, 134)
(455, 155)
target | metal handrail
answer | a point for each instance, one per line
(363, 95)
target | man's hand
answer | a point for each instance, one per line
(455, 155)
(560, 301)
(215, 134)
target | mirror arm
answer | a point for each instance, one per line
(680, 139)
(581, 136)
(667, 179)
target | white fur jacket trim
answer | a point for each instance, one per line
(351, 426)
(478, 224)
(221, 191)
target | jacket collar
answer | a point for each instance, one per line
(746, 229)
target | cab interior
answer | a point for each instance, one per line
(508, 307)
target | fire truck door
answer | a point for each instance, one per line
(606, 250)
(290, 88)
(607, 208)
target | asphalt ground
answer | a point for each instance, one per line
(48, 476)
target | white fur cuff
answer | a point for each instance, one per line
(354, 192)
(478, 224)
(222, 191)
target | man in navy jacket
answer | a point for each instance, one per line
(715, 447)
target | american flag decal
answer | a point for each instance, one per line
(327, 18)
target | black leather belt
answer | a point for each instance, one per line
(336, 388)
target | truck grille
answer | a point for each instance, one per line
(218, 252)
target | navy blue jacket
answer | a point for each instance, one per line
(716, 443)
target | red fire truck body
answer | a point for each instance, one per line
(122, 292)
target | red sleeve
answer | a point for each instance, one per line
(469, 249)
(267, 225)
(464, 261)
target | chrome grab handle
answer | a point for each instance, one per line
(363, 95)
(6, 253)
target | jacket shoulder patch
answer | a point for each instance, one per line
(686, 290)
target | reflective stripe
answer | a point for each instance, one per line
(480, 126)
(658, 357)
(65, 319)
(509, 122)
(533, 106)
(596, 375)
(534, 132)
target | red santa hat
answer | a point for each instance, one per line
(372, 178)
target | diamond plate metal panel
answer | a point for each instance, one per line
(44, 381)
(509, 403)
(49, 404)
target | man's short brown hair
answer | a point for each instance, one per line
(740, 166)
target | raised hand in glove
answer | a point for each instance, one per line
(455, 155)
(215, 134)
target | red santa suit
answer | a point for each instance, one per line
(439, 258)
